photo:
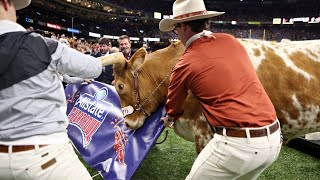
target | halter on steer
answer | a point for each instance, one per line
(139, 106)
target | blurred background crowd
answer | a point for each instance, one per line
(253, 19)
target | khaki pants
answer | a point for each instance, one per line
(52, 162)
(236, 158)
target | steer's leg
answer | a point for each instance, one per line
(202, 134)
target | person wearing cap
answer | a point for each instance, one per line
(33, 138)
(216, 68)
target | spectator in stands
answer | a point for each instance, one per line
(216, 68)
(30, 29)
(64, 40)
(95, 50)
(105, 46)
(145, 45)
(78, 47)
(72, 40)
(86, 49)
(53, 36)
(106, 75)
(125, 46)
(33, 139)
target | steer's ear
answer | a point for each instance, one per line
(137, 59)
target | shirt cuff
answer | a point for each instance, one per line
(170, 119)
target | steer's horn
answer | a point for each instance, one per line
(112, 59)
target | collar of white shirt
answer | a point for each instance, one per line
(197, 36)
(7, 26)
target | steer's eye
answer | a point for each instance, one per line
(120, 86)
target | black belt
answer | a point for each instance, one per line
(5, 149)
(242, 132)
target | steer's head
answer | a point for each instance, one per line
(151, 70)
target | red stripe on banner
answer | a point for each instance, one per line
(93, 126)
(86, 126)
(78, 116)
(73, 114)
(92, 130)
(82, 120)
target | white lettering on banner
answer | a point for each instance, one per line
(29, 20)
(314, 20)
(54, 26)
(90, 106)
(92, 34)
(301, 19)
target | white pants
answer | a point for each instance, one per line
(52, 162)
(236, 158)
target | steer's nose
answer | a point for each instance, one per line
(126, 124)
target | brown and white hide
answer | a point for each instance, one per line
(289, 72)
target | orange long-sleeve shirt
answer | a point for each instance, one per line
(220, 74)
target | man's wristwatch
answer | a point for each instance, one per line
(170, 119)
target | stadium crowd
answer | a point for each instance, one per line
(148, 28)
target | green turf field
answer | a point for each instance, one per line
(173, 159)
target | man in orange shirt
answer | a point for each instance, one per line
(218, 71)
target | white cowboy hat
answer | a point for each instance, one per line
(186, 10)
(20, 4)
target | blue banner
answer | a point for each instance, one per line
(96, 129)
(73, 30)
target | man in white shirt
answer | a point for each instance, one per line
(33, 138)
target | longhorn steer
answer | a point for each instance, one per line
(289, 72)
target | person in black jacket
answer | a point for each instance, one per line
(106, 75)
